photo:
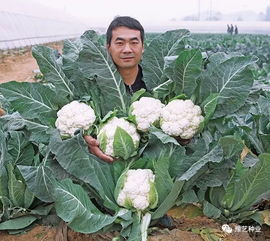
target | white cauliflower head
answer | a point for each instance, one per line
(136, 189)
(74, 116)
(106, 135)
(147, 111)
(181, 118)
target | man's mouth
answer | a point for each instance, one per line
(127, 57)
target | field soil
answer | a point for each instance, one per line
(186, 228)
(199, 229)
(19, 65)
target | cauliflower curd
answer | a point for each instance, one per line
(74, 116)
(107, 133)
(147, 111)
(181, 118)
(136, 189)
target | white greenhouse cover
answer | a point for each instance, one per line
(23, 23)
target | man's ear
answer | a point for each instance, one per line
(143, 49)
(108, 48)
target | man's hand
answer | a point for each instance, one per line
(93, 147)
(2, 112)
(181, 141)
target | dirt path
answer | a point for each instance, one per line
(20, 65)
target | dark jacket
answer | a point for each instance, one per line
(138, 84)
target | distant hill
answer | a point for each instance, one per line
(234, 16)
(243, 16)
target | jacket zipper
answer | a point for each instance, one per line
(130, 89)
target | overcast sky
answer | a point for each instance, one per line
(148, 12)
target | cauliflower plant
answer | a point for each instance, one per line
(135, 189)
(74, 116)
(181, 118)
(147, 111)
(107, 137)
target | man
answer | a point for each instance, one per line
(125, 44)
(235, 30)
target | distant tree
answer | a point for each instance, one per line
(213, 18)
(190, 18)
(267, 15)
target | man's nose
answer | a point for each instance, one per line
(127, 48)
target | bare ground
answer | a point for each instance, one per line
(199, 228)
(19, 65)
(45, 233)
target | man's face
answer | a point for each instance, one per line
(126, 47)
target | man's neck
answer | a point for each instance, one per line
(129, 74)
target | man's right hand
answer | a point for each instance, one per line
(2, 112)
(93, 147)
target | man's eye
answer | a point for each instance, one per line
(134, 42)
(119, 43)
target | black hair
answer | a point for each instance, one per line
(124, 21)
